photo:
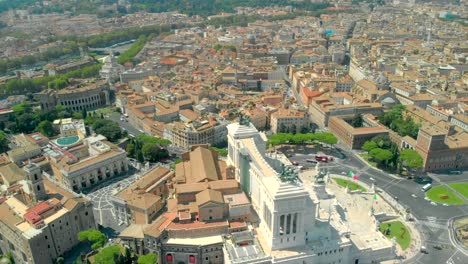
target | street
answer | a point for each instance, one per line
(432, 220)
(124, 124)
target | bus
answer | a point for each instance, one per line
(426, 187)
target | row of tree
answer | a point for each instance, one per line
(301, 138)
(129, 55)
(29, 86)
(386, 153)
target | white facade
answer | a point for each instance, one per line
(288, 212)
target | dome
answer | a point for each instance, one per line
(388, 101)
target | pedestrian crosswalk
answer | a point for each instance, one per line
(432, 223)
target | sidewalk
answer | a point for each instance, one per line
(372, 167)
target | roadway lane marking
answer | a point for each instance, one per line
(392, 182)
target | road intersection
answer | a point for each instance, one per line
(432, 220)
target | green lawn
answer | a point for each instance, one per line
(440, 194)
(399, 231)
(461, 187)
(352, 185)
(366, 157)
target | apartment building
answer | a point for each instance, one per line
(204, 131)
(288, 121)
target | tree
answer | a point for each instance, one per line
(127, 256)
(3, 142)
(26, 123)
(153, 152)
(108, 255)
(84, 113)
(148, 259)
(381, 155)
(46, 128)
(7, 258)
(60, 260)
(130, 149)
(94, 236)
(411, 159)
(108, 128)
(221, 152)
(357, 121)
(383, 141)
(369, 145)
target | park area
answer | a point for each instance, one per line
(398, 230)
(353, 186)
(440, 194)
(461, 188)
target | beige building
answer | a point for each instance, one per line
(355, 137)
(442, 145)
(141, 201)
(324, 107)
(71, 127)
(40, 221)
(288, 120)
(185, 135)
(86, 164)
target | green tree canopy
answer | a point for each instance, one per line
(381, 155)
(299, 138)
(3, 142)
(369, 145)
(94, 236)
(395, 120)
(411, 159)
(148, 259)
(153, 152)
(46, 128)
(221, 152)
(108, 128)
(108, 255)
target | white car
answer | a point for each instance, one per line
(445, 204)
(414, 195)
(434, 204)
(372, 179)
(427, 199)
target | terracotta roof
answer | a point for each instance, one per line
(209, 195)
(11, 173)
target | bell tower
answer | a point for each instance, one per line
(36, 185)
